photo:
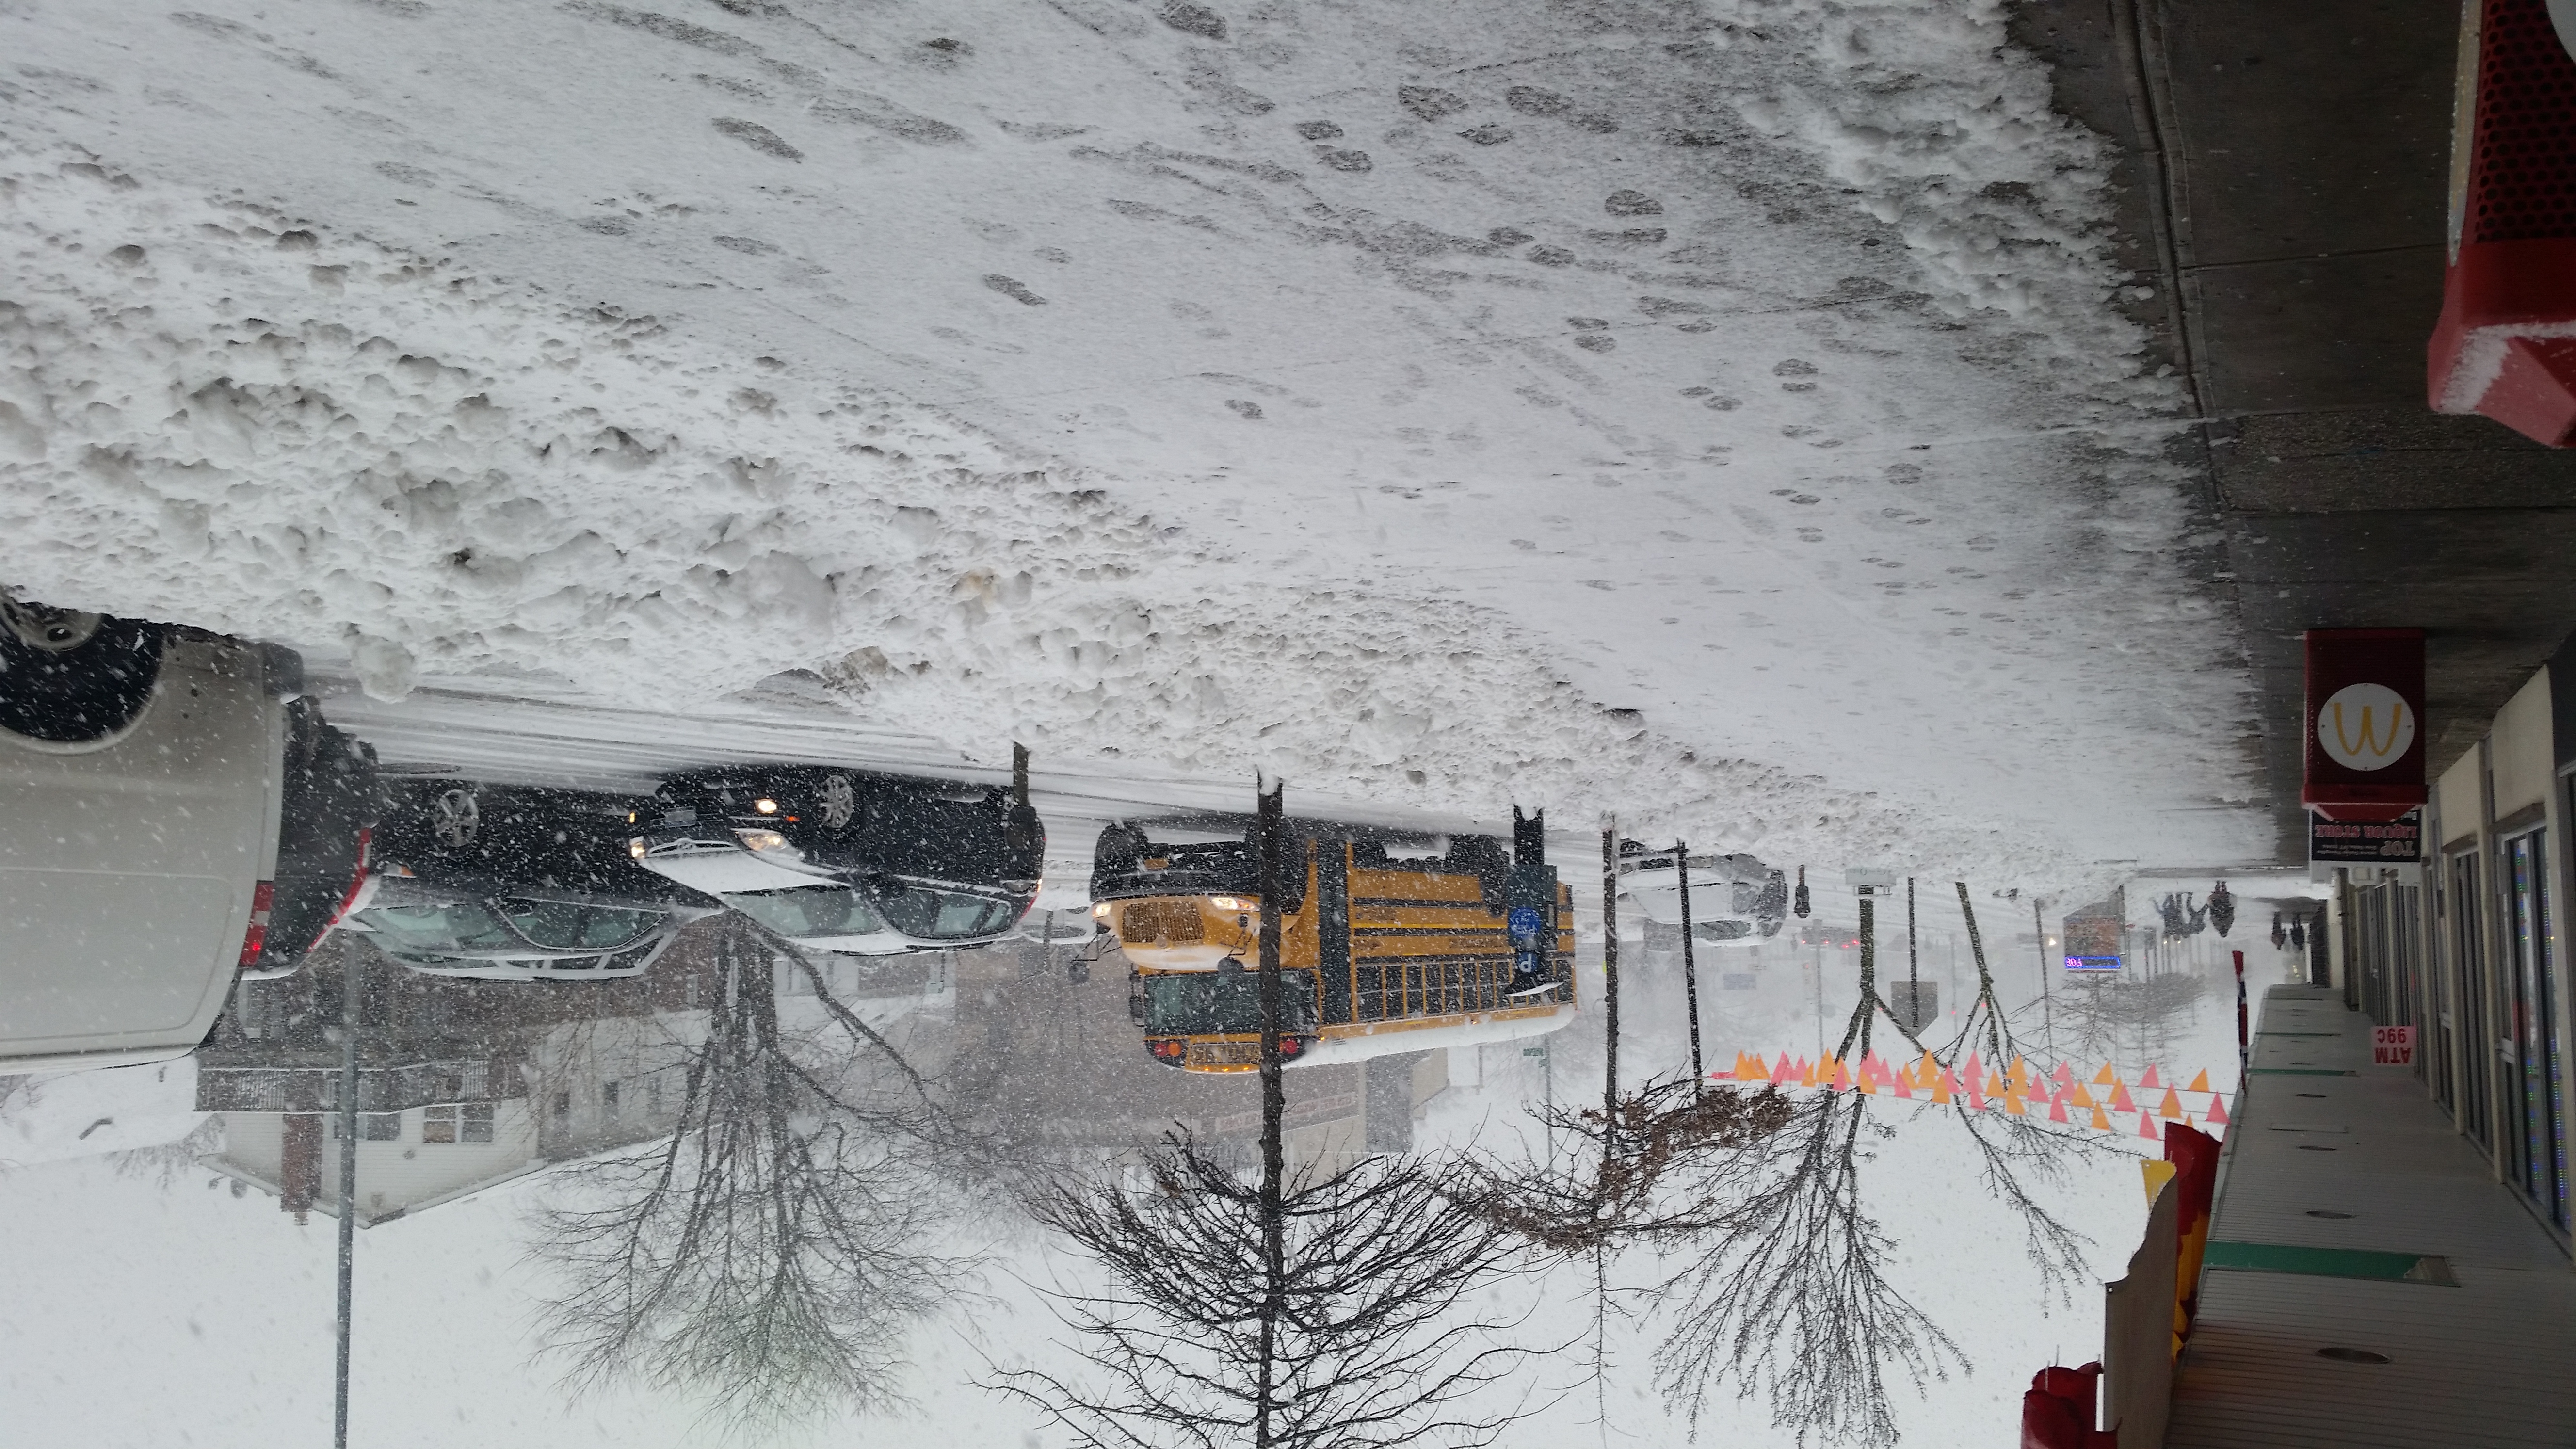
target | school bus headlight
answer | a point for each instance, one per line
(1101, 910)
(1234, 903)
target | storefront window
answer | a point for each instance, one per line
(2535, 1093)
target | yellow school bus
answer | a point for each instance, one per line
(1380, 952)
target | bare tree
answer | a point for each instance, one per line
(1358, 1335)
(769, 1254)
(1783, 1289)
(1306, 1311)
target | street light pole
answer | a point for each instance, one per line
(350, 959)
(1690, 963)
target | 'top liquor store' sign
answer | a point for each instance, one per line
(2367, 842)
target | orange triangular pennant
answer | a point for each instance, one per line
(2082, 1097)
(2106, 1076)
(2171, 1109)
(2199, 1083)
(2100, 1122)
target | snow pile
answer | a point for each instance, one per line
(65, 1115)
(1946, 133)
(1378, 394)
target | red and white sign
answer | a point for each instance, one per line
(2392, 1046)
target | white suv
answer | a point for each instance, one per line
(170, 817)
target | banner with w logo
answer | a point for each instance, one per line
(2365, 729)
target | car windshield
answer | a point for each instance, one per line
(1186, 1003)
(570, 925)
(809, 911)
(439, 929)
(938, 915)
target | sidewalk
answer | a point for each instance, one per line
(2422, 1261)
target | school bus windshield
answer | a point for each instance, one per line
(1196, 1003)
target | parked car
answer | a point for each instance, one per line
(847, 860)
(515, 883)
(171, 816)
(1732, 897)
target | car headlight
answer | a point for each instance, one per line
(635, 847)
(763, 840)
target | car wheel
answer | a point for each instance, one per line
(69, 677)
(455, 818)
(840, 802)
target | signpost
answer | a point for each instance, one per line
(2093, 942)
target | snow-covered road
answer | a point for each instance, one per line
(1389, 396)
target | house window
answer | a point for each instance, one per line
(653, 1094)
(608, 1100)
(478, 1122)
(438, 1124)
(372, 1126)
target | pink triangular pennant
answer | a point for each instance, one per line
(2217, 1111)
(2149, 1080)
(2057, 1108)
(2147, 1128)
(2064, 1076)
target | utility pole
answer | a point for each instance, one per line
(1690, 964)
(2039, 936)
(1610, 977)
(349, 967)
(1913, 974)
(1271, 834)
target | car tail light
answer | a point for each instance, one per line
(255, 939)
(1290, 1046)
(357, 883)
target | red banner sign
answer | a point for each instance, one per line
(2365, 723)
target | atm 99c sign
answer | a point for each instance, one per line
(2365, 732)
